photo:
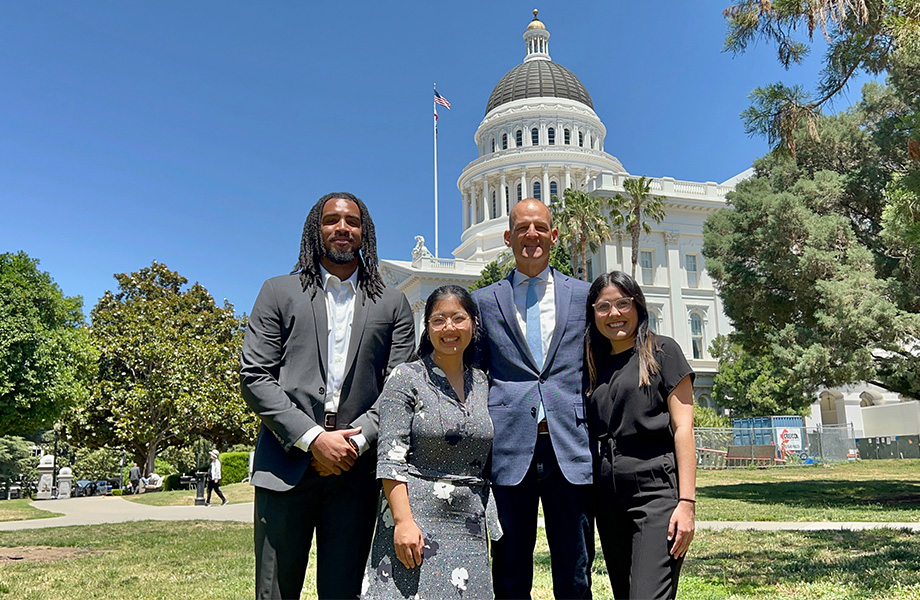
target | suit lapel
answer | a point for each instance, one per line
(504, 297)
(564, 298)
(321, 328)
(357, 330)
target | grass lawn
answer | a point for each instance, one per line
(213, 560)
(234, 492)
(19, 510)
(871, 490)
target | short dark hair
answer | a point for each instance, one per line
(311, 250)
(467, 303)
(596, 344)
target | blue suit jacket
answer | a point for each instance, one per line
(517, 384)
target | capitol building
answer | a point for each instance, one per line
(539, 136)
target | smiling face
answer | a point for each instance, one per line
(340, 225)
(618, 326)
(531, 236)
(450, 328)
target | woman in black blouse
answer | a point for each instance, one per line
(641, 423)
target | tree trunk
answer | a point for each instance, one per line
(635, 247)
(584, 260)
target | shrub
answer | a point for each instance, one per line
(234, 467)
(171, 482)
(117, 492)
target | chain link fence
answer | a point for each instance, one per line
(723, 448)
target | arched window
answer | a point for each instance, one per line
(581, 139)
(534, 137)
(553, 191)
(536, 190)
(507, 201)
(519, 196)
(654, 320)
(494, 205)
(696, 335)
(518, 138)
(567, 137)
(504, 141)
(551, 136)
(493, 144)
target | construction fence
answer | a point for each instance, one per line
(723, 448)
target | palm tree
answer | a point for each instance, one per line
(640, 208)
(583, 226)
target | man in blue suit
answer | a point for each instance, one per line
(533, 325)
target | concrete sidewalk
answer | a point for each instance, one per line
(114, 509)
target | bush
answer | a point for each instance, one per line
(171, 482)
(234, 467)
(117, 492)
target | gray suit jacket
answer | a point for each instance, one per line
(283, 372)
(518, 384)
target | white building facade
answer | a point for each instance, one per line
(540, 135)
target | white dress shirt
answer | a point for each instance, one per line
(340, 315)
(546, 296)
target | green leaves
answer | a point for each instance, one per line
(583, 223)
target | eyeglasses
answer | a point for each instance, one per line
(440, 321)
(621, 304)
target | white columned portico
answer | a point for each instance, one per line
(486, 199)
(524, 192)
(568, 177)
(544, 191)
(672, 241)
(466, 210)
(503, 211)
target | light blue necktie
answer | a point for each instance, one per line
(534, 332)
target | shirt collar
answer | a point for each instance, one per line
(545, 275)
(331, 282)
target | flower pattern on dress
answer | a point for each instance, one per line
(398, 452)
(473, 525)
(458, 578)
(443, 489)
(385, 569)
(388, 517)
(365, 583)
(431, 547)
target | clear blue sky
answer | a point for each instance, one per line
(198, 134)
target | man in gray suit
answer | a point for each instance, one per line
(318, 346)
(533, 325)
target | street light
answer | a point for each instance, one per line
(57, 435)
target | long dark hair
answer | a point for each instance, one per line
(312, 250)
(466, 302)
(596, 344)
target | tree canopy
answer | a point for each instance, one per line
(640, 207)
(168, 368)
(45, 351)
(584, 226)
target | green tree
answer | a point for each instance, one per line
(582, 221)
(15, 459)
(499, 268)
(168, 369)
(638, 209)
(45, 352)
(869, 36)
(806, 264)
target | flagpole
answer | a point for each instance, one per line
(434, 104)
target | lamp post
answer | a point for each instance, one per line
(57, 436)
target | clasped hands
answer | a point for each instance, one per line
(333, 453)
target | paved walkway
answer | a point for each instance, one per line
(114, 509)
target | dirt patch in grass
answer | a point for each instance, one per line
(42, 553)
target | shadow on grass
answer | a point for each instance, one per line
(893, 495)
(856, 561)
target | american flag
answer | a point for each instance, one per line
(439, 99)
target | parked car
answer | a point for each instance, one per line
(83, 488)
(103, 487)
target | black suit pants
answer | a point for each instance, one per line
(340, 509)
(634, 501)
(569, 530)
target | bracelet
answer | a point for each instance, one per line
(690, 500)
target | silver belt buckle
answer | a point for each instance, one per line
(329, 421)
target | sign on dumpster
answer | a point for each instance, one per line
(789, 439)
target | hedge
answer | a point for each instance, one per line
(171, 482)
(234, 467)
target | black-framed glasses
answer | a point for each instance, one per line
(441, 321)
(621, 304)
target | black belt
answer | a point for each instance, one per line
(329, 421)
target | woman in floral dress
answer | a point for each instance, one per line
(434, 441)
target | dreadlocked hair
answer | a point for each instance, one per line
(311, 250)
(596, 344)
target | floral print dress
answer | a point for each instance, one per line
(438, 446)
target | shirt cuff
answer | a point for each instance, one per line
(361, 441)
(308, 438)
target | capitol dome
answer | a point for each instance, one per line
(538, 79)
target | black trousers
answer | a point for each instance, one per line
(340, 509)
(633, 503)
(215, 486)
(569, 530)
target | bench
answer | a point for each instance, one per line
(761, 455)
